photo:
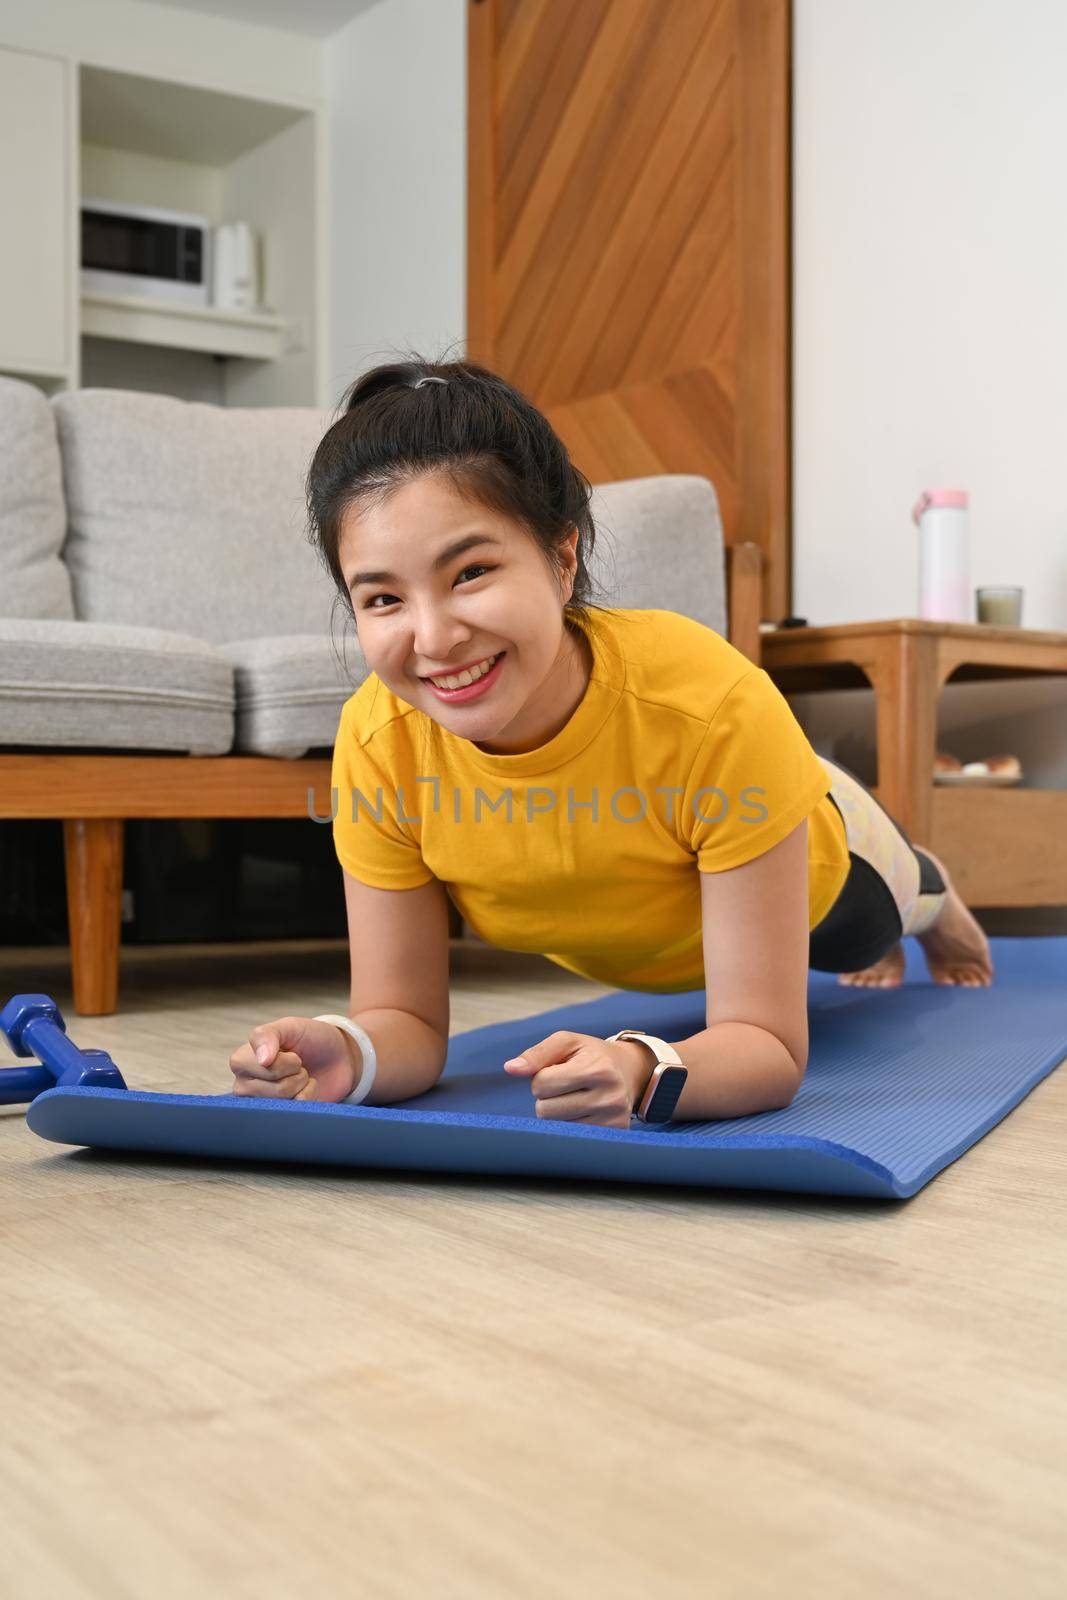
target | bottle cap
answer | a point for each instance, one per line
(956, 498)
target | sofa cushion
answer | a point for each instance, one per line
(289, 691)
(33, 580)
(87, 685)
(665, 539)
(191, 517)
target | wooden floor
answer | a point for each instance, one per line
(256, 1380)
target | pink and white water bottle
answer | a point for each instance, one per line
(944, 561)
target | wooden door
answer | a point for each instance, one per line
(628, 239)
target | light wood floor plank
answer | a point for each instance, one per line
(265, 1380)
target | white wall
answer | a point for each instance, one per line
(930, 306)
(930, 332)
(396, 88)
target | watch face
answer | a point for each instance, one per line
(669, 1086)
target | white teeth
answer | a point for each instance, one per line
(471, 675)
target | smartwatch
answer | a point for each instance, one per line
(660, 1096)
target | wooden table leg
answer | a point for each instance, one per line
(93, 851)
(907, 676)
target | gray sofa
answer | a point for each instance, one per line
(171, 645)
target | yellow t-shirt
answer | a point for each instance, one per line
(682, 757)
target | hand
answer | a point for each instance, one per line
(296, 1058)
(576, 1077)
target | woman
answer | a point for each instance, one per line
(619, 790)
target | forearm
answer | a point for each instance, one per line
(410, 1055)
(736, 1069)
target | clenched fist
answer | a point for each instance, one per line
(297, 1058)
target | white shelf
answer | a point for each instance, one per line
(176, 120)
(257, 336)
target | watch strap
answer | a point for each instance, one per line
(666, 1080)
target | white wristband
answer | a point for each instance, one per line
(370, 1060)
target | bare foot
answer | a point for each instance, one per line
(885, 974)
(955, 947)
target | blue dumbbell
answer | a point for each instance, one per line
(33, 1026)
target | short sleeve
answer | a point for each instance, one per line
(371, 843)
(755, 777)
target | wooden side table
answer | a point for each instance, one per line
(1003, 846)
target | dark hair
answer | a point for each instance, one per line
(486, 436)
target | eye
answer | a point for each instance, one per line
(370, 606)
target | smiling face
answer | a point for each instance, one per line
(437, 610)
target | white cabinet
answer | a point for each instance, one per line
(35, 214)
(227, 157)
(71, 129)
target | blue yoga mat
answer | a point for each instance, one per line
(900, 1082)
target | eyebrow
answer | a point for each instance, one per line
(440, 561)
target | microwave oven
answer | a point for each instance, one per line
(145, 250)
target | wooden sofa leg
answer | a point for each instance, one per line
(93, 852)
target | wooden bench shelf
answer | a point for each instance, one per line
(1003, 846)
